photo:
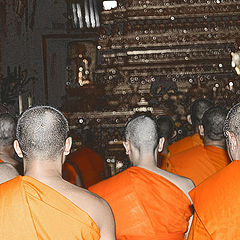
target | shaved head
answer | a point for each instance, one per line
(7, 129)
(142, 133)
(165, 126)
(232, 121)
(213, 123)
(198, 108)
(42, 131)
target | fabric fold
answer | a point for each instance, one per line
(216, 202)
(198, 163)
(185, 144)
(33, 210)
(145, 205)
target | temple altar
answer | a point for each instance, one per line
(163, 53)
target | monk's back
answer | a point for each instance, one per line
(199, 162)
(37, 211)
(185, 144)
(81, 197)
(41, 205)
(145, 205)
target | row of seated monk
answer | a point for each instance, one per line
(187, 190)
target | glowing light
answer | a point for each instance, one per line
(108, 5)
(230, 85)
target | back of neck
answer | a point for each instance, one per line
(220, 144)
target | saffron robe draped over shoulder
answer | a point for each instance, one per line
(185, 144)
(198, 163)
(217, 202)
(31, 210)
(90, 165)
(145, 205)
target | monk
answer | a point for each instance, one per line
(202, 161)
(197, 110)
(84, 167)
(217, 199)
(166, 129)
(7, 172)
(72, 174)
(7, 136)
(147, 202)
(40, 204)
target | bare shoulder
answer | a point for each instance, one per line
(185, 184)
(16, 164)
(6, 167)
(97, 208)
(7, 172)
(90, 202)
(85, 199)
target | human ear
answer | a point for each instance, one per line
(174, 134)
(160, 144)
(127, 146)
(189, 119)
(17, 149)
(201, 130)
(232, 141)
(68, 145)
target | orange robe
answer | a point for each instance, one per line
(31, 210)
(216, 202)
(162, 160)
(90, 165)
(145, 205)
(1, 161)
(198, 163)
(69, 173)
(185, 144)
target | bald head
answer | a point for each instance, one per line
(142, 133)
(7, 129)
(213, 123)
(42, 131)
(198, 108)
(232, 121)
(7, 172)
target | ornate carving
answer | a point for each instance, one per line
(160, 87)
(186, 44)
